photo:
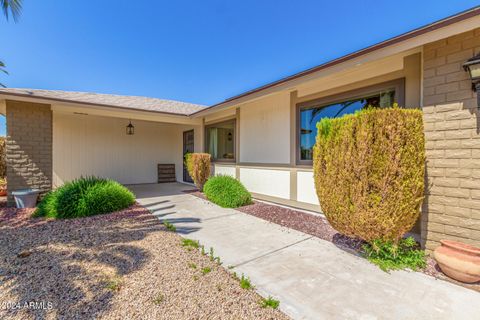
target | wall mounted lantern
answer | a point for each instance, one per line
(130, 129)
(472, 66)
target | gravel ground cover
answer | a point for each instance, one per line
(318, 226)
(124, 265)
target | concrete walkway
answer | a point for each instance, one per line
(312, 278)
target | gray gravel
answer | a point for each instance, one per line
(118, 266)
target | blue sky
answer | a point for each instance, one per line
(194, 51)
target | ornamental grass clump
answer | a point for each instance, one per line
(198, 167)
(85, 197)
(227, 192)
(369, 172)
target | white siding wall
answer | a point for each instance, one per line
(275, 183)
(93, 145)
(265, 130)
(306, 187)
(224, 170)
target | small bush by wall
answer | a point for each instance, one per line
(85, 197)
(227, 192)
(198, 167)
(405, 254)
(369, 172)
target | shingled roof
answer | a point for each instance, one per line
(108, 100)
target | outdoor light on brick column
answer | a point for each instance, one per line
(472, 65)
(130, 129)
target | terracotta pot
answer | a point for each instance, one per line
(3, 193)
(458, 260)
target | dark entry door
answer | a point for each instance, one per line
(188, 146)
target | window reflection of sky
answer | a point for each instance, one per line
(309, 124)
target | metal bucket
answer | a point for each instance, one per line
(26, 198)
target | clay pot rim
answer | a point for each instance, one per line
(461, 246)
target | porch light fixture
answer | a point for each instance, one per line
(130, 129)
(472, 66)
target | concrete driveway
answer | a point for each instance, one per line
(312, 278)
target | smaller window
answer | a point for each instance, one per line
(220, 141)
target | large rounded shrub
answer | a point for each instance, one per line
(369, 172)
(85, 197)
(227, 192)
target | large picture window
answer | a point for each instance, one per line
(220, 141)
(311, 112)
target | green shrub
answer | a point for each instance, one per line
(227, 192)
(85, 197)
(198, 167)
(392, 256)
(369, 172)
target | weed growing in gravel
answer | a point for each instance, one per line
(114, 284)
(195, 277)
(158, 299)
(269, 302)
(230, 267)
(206, 270)
(192, 265)
(169, 226)
(245, 283)
(212, 256)
(189, 243)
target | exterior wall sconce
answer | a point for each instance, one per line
(472, 66)
(229, 136)
(130, 129)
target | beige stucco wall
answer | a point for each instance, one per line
(265, 130)
(452, 131)
(95, 145)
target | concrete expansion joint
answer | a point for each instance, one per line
(273, 251)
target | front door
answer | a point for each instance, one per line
(188, 147)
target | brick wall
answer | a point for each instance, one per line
(452, 131)
(29, 146)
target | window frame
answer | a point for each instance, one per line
(398, 85)
(215, 124)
